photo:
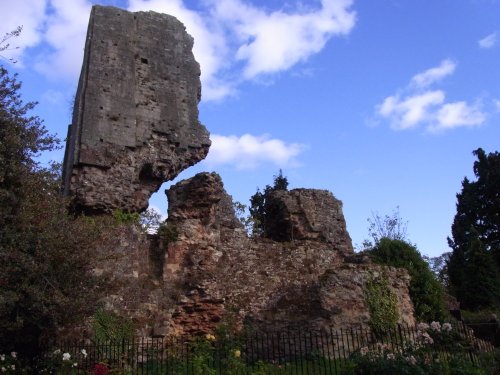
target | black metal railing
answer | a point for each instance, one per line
(295, 352)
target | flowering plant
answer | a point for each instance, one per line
(9, 364)
(60, 362)
(435, 349)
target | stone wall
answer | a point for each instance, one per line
(307, 214)
(213, 271)
(135, 121)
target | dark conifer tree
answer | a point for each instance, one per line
(258, 204)
(476, 236)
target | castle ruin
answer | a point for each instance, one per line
(135, 125)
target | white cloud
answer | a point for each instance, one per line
(488, 41)
(65, 34)
(433, 75)
(53, 97)
(248, 151)
(458, 114)
(30, 14)
(412, 110)
(274, 41)
(496, 103)
(418, 105)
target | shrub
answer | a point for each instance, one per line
(426, 292)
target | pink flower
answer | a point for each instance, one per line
(411, 360)
(436, 326)
(424, 338)
(100, 369)
(422, 326)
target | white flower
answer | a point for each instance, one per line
(364, 351)
(446, 327)
(13, 367)
(13, 354)
(84, 352)
(2, 357)
(57, 351)
(436, 326)
(4, 369)
(391, 357)
(75, 364)
(66, 356)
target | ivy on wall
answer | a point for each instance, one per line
(382, 303)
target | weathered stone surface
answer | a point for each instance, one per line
(308, 214)
(268, 283)
(335, 299)
(212, 270)
(135, 121)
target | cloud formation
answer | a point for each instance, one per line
(270, 42)
(234, 40)
(488, 41)
(64, 33)
(30, 14)
(248, 151)
(433, 75)
(419, 104)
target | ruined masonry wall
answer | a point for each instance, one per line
(135, 122)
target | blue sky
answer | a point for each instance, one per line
(381, 102)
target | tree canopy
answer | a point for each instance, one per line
(45, 278)
(258, 211)
(474, 264)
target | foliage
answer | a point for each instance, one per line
(439, 265)
(382, 303)
(168, 232)
(426, 292)
(436, 349)
(10, 364)
(258, 213)
(60, 363)
(150, 220)
(46, 279)
(390, 226)
(473, 267)
(108, 326)
(122, 217)
(247, 221)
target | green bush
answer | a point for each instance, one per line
(168, 232)
(123, 217)
(426, 292)
(108, 326)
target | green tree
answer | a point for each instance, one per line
(45, 276)
(257, 207)
(475, 241)
(426, 292)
